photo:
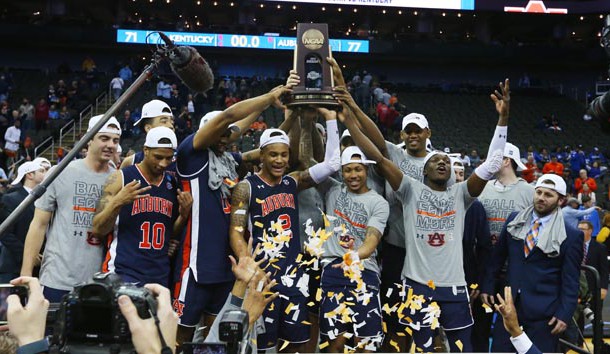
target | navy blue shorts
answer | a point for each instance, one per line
(392, 261)
(53, 295)
(192, 300)
(280, 325)
(365, 315)
(454, 304)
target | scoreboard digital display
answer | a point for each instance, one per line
(234, 41)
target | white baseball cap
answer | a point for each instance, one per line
(158, 133)
(512, 152)
(43, 162)
(26, 168)
(431, 154)
(272, 136)
(552, 181)
(211, 115)
(350, 152)
(154, 108)
(345, 133)
(415, 118)
(107, 127)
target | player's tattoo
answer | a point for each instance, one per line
(372, 232)
(240, 202)
(305, 145)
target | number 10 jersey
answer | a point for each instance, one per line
(137, 250)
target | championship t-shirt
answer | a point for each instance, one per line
(434, 225)
(72, 255)
(350, 215)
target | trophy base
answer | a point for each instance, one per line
(316, 99)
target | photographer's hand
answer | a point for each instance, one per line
(27, 323)
(144, 334)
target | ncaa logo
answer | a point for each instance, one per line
(436, 239)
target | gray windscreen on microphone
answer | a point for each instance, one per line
(191, 68)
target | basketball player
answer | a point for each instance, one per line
(358, 218)
(206, 170)
(434, 217)
(64, 214)
(155, 113)
(145, 207)
(266, 204)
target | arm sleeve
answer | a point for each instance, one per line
(499, 140)
(332, 159)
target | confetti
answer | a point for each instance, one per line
(306, 323)
(487, 308)
(459, 344)
(240, 212)
(288, 308)
(395, 345)
(474, 286)
(311, 304)
(284, 345)
(259, 201)
(324, 345)
(258, 224)
(431, 284)
(239, 229)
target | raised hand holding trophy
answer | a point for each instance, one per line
(310, 53)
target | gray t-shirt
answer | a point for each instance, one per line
(71, 255)
(499, 201)
(355, 212)
(434, 224)
(412, 167)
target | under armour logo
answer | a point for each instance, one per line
(260, 186)
(78, 233)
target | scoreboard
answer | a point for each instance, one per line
(234, 40)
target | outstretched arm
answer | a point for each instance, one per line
(331, 164)
(366, 124)
(495, 154)
(386, 167)
(240, 203)
(211, 132)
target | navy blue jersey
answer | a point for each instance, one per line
(273, 219)
(205, 247)
(137, 250)
(171, 169)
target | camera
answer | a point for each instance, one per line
(233, 330)
(89, 316)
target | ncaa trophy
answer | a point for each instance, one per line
(310, 53)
